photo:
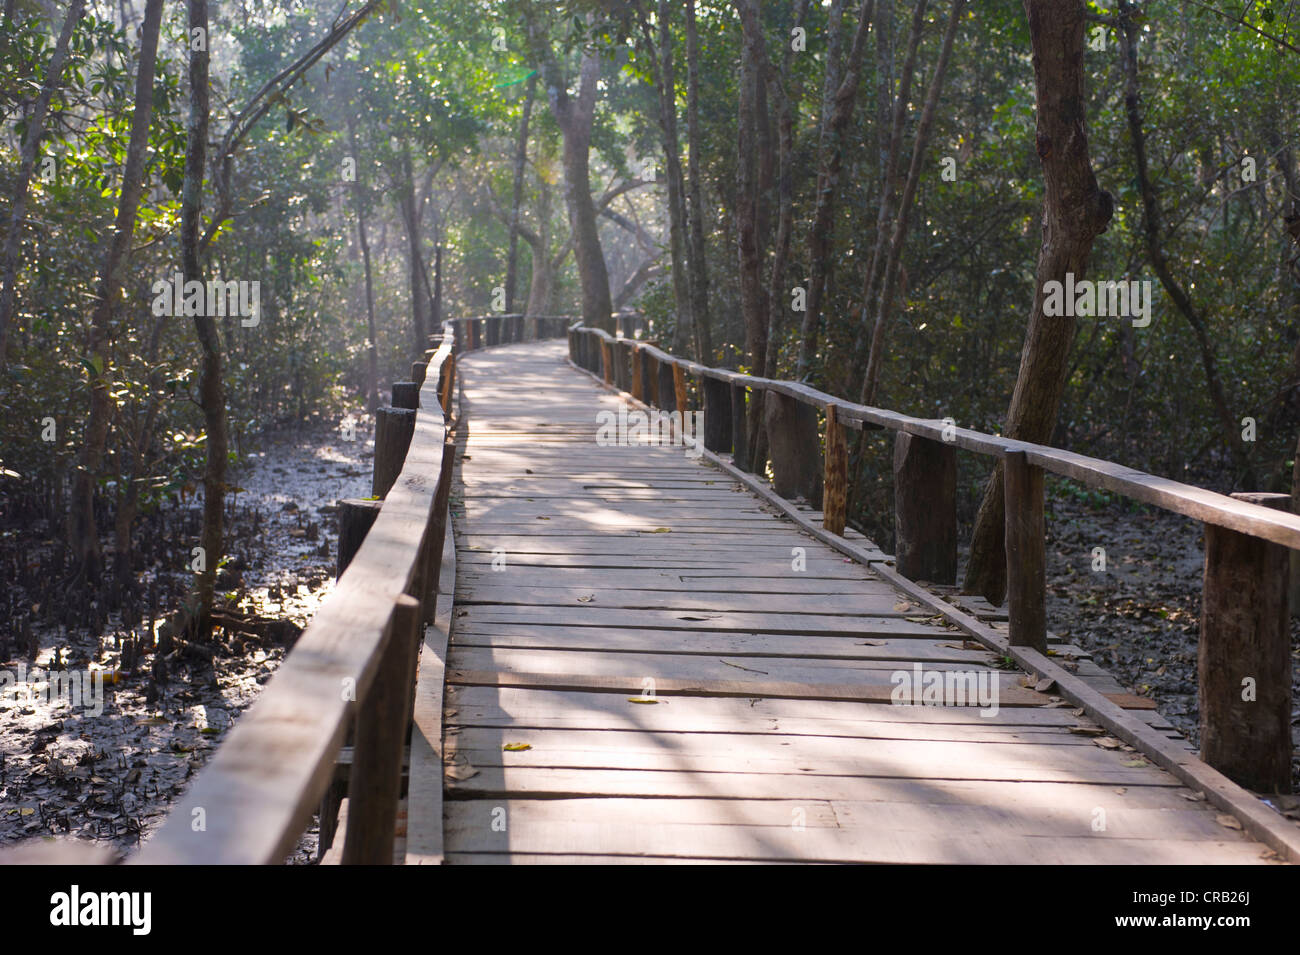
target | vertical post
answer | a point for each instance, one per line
(355, 520)
(1244, 659)
(649, 380)
(473, 333)
(418, 371)
(792, 446)
(679, 389)
(667, 388)
(393, 430)
(638, 386)
(925, 508)
(406, 394)
(492, 330)
(606, 362)
(1026, 556)
(376, 781)
(448, 382)
(836, 497)
(621, 366)
(717, 414)
(739, 434)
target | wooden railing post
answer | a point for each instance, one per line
(717, 414)
(680, 401)
(925, 508)
(606, 362)
(739, 430)
(638, 381)
(836, 495)
(492, 330)
(406, 394)
(1026, 551)
(1244, 659)
(418, 370)
(355, 519)
(446, 383)
(649, 380)
(393, 430)
(667, 390)
(793, 447)
(622, 368)
(376, 783)
(474, 336)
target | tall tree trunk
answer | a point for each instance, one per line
(666, 86)
(517, 197)
(839, 95)
(1228, 431)
(414, 260)
(699, 270)
(372, 341)
(752, 299)
(212, 390)
(889, 186)
(898, 238)
(83, 537)
(26, 166)
(575, 115)
(1075, 212)
(785, 102)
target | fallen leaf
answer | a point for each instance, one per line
(902, 606)
(642, 699)
(1045, 684)
(1135, 763)
(1228, 822)
(1108, 742)
(662, 530)
(516, 747)
(586, 598)
(1193, 797)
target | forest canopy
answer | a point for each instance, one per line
(219, 219)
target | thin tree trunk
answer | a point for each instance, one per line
(414, 261)
(666, 80)
(785, 102)
(870, 383)
(372, 343)
(212, 391)
(747, 189)
(1155, 250)
(517, 197)
(699, 271)
(26, 166)
(83, 537)
(889, 185)
(839, 95)
(575, 114)
(1075, 212)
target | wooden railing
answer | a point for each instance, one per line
(1244, 659)
(352, 668)
(482, 331)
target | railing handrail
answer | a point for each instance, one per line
(1189, 500)
(256, 796)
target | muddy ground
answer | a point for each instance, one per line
(109, 776)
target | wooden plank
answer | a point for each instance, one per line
(424, 841)
(757, 646)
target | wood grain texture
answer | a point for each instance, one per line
(656, 666)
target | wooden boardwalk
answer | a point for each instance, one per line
(637, 673)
